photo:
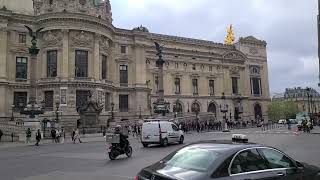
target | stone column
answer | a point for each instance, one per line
(64, 65)
(3, 53)
(96, 59)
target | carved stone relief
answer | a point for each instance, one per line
(52, 38)
(82, 39)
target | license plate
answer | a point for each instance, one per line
(147, 137)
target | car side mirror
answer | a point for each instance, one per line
(299, 165)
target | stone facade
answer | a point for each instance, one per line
(87, 25)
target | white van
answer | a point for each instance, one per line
(160, 132)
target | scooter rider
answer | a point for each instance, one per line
(123, 138)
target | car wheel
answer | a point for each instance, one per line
(145, 145)
(129, 151)
(165, 142)
(181, 140)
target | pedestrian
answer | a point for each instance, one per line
(73, 134)
(28, 135)
(1, 133)
(308, 126)
(38, 137)
(77, 136)
(58, 135)
(62, 136)
(53, 135)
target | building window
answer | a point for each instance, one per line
(21, 68)
(177, 85)
(176, 65)
(81, 98)
(123, 49)
(123, 75)
(123, 103)
(234, 85)
(104, 67)
(20, 100)
(81, 69)
(48, 98)
(63, 96)
(210, 68)
(193, 67)
(107, 102)
(52, 63)
(156, 82)
(22, 38)
(211, 87)
(195, 86)
(256, 89)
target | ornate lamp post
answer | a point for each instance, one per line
(57, 111)
(140, 115)
(308, 95)
(160, 106)
(12, 109)
(33, 109)
(224, 109)
(112, 109)
(195, 108)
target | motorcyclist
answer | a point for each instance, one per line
(123, 138)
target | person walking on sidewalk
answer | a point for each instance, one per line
(62, 136)
(28, 135)
(53, 135)
(38, 137)
(73, 134)
(1, 133)
(77, 136)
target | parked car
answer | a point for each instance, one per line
(227, 160)
(160, 132)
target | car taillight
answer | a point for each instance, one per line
(136, 178)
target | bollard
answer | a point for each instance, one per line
(12, 137)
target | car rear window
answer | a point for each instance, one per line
(194, 158)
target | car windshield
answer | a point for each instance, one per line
(194, 158)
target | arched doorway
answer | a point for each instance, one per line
(195, 107)
(257, 111)
(212, 108)
(177, 107)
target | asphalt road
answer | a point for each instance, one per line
(88, 161)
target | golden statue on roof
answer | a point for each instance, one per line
(229, 40)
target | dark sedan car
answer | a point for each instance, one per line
(224, 160)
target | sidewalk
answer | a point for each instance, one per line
(315, 130)
(84, 139)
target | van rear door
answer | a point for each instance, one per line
(150, 132)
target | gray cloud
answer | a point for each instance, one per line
(288, 26)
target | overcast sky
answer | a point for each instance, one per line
(288, 26)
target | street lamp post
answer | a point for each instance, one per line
(224, 110)
(140, 115)
(160, 106)
(112, 109)
(12, 109)
(57, 111)
(33, 108)
(308, 96)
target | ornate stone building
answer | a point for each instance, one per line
(81, 51)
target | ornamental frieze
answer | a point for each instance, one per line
(81, 39)
(52, 38)
(234, 56)
(104, 44)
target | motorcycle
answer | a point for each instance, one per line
(116, 150)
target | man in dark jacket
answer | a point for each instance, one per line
(123, 138)
(38, 137)
(54, 135)
(28, 135)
